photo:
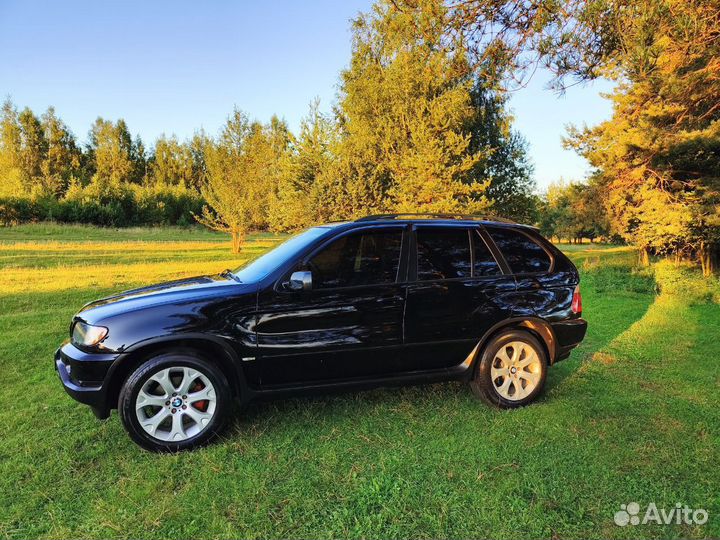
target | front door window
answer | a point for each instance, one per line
(365, 258)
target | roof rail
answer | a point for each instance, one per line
(474, 217)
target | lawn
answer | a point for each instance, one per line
(632, 416)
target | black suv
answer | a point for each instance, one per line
(384, 300)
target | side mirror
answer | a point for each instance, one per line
(300, 281)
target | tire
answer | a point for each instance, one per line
(174, 418)
(494, 380)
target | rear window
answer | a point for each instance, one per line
(521, 253)
(443, 253)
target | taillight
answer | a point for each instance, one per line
(576, 305)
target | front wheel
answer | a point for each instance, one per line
(174, 401)
(511, 371)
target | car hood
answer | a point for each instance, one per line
(178, 291)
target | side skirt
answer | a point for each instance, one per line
(459, 372)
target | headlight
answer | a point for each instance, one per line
(88, 335)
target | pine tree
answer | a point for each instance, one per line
(507, 165)
(659, 154)
(404, 112)
(297, 202)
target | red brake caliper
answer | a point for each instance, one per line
(201, 405)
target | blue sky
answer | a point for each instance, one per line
(177, 66)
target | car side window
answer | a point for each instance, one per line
(484, 264)
(443, 253)
(363, 258)
(521, 253)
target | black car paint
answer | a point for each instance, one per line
(272, 341)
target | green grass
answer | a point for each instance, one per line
(53, 231)
(632, 416)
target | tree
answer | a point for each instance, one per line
(297, 202)
(660, 149)
(114, 157)
(198, 147)
(63, 158)
(573, 211)
(110, 149)
(404, 115)
(243, 168)
(33, 149)
(507, 167)
(139, 161)
(172, 162)
(507, 39)
(660, 152)
(11, 181)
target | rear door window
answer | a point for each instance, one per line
(523, 254)
(443, 253)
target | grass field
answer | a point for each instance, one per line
(632, 416)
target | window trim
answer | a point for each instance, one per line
(500, 261)
(550, 270)
(402, 263)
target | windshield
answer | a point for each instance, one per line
(255, 270)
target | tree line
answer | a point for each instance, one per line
(421, 124)
(413, 130)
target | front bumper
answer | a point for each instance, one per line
(84, 376)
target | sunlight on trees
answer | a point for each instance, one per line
(421, 124)
(242, 173)
(659, 154)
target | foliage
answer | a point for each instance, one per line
(172, 162)
(405, 112)
(36, 155)
(413, 130)
(242, 173)
(659, 154)
(116, 157)
(299, 199)
(507, 166)
(574, 211)
(62, 160)
(99, 203)
(508, 39)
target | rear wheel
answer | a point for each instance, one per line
(175, 401)
(511, 371)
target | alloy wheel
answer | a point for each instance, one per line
(515, 370)
(176, 403)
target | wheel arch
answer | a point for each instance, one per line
(535, 326)
(212, 350)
